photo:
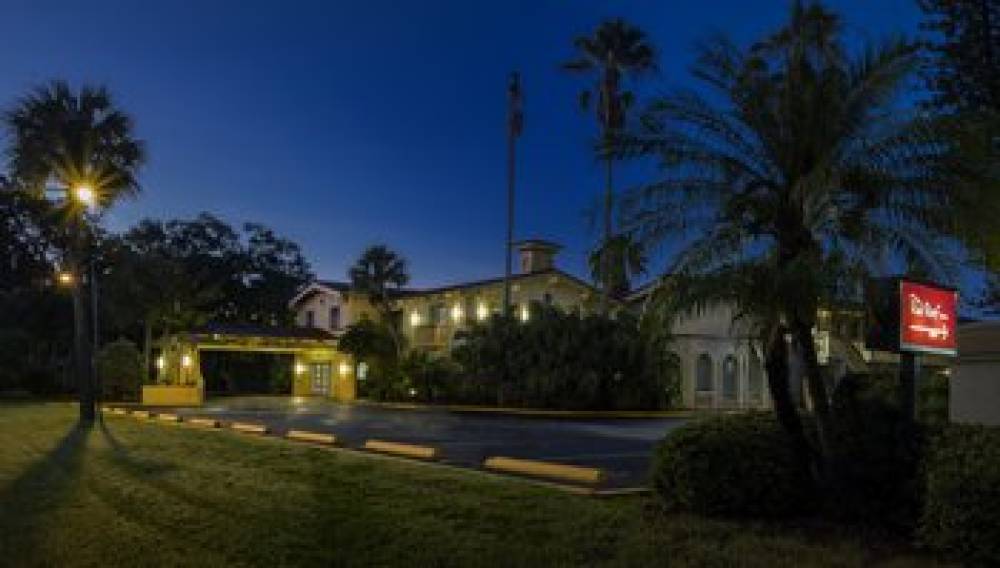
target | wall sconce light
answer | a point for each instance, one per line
(344, 369)
(161, 362)
(414, 318)
(525, 312)
(300, 368)
(186, 361)
(482, 311)
(456, 312)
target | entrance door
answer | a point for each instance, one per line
(320, 373)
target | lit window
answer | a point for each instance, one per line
(525, 312)
(414, 318)
(483, 311)
(457, 313)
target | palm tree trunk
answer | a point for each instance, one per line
(81, 344)
(817, 390)
(147, 348)
(785, 409)
(608, 230)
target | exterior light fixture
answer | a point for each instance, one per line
(65, 278)
(413, 392)
(482, 311)
(362, 371)
(414, 318)
(456, 312)
(186, 361)
(300, 368)
(525, 312)
(161, 362)
(85, 195)
(344, 369)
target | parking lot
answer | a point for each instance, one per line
(620, 446)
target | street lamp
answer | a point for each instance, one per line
(84, 194)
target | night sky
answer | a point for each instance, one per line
(345, 124)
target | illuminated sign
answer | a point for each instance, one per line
(909, 316)
(927, 318)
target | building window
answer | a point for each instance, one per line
(310, 318)
(438, 314)
(547, 298)
(730, 388)
(704, 373)
(755, 382)
(335, 317)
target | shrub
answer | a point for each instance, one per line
(119, 365)
(876, 454)
(962, 494)
(565, 360)
(733, 466)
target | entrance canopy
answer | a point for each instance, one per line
(319, 369)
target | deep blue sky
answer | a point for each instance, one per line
(342, 124)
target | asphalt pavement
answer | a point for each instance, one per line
(621, 446)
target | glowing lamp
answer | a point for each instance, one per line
(186, 361)
(456, 312)
(414, 319)
(344, 369)
(84, 194)
(65, 278)
(161, 362)
(482, 311)
(525, 313)
(300, 368)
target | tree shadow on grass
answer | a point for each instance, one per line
(27, 503)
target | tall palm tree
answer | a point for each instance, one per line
(625, 258)
(615, 49)
(806, 172)
(75, 139)
(380, 273)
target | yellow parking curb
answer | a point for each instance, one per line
(564, 472)
(142, 414)
(203, 422)
(314, 437)
(248, 428)
(399, 449)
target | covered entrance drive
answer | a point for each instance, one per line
(317, 368)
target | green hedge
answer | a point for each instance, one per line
(962, 500)
(733, 466)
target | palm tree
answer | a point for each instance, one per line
(624, 257)
(75, 139)
(807, 171)
(380, 274)
(615, 49)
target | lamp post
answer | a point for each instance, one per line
(80, 198)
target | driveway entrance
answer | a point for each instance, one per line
(622, 447)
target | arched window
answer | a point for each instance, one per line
(704, 373)
(755, 384)
(730, 387)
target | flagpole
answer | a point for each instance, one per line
(513, 130)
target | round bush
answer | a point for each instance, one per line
(962, 500)
(735, 466)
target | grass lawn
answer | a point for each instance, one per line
(132, 493)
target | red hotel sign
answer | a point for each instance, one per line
(927, 318)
